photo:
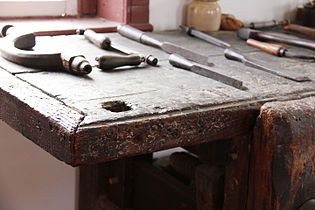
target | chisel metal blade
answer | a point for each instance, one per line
(189, 55)
(236, 56)
(142, 37)
(181, 62)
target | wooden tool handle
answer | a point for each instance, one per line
(272, 49)
(137, 35)
(180, 62)
(301, 29)
(277, 37)
(108, 62)
(99, 40)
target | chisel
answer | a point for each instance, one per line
(267, 24)
(181, 62)
(246, 33)
(235, 56)
(144, 38)
(277, 50)
(231, 54)
(307, 31)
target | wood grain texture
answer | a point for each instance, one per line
(209, 187)
(236, 173)
(233, 157)
(155, 190)
(146, 135)
(282, 160)
(46, 121)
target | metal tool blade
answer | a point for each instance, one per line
(180, 62)
(188, 54)
(218, 77)
(205, 37)
(236, 56)
(288, 54)
(263, 68)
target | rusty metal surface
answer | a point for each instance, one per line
(136, 111)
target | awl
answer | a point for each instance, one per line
(142, 37)
(180, 62)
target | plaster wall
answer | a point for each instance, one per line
(166, 14)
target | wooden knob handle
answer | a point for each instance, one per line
(109, 62)
(272, 49)
(310, 32)
(99, 40)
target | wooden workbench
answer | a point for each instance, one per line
(115, 115)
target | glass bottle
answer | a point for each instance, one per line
(204, 15)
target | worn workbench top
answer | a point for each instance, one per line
(110, 115)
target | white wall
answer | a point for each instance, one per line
(30, 178)
(167, 14)
(30, 8)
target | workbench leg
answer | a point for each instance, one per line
(232, 157)
(236, 173)
(105, 186)
(282, 166)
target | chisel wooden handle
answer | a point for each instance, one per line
(246, 33)
(137, 35)
(273, 49)
(99, 40)
(310, 32)
(108, 62)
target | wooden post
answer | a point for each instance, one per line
(87, 7)
(133, 12)
(282, 159)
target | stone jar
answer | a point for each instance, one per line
(204, 15)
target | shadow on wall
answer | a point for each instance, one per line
(289, 12)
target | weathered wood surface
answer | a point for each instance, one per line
(137, 111)
(209, 187)
(154, 189)
(45, 120)
(233, 157)
(282, 159)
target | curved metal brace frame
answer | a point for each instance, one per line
(16, 47)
